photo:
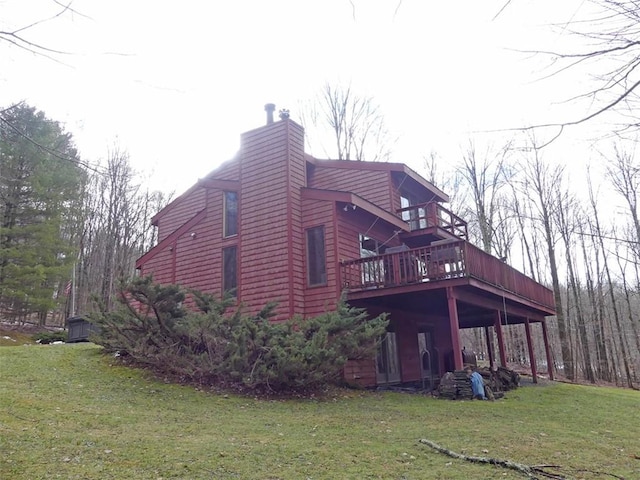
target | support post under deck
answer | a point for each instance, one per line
(455, 329)
(547, 350)
(498, 326)
(490, 352)
(532, 357)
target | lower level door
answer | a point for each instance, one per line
(387, 363)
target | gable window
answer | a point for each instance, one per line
(230, 269)
(316, 262)
(230, 214)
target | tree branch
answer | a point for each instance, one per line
(531, 471)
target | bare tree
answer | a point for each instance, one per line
(609, 31)
(485, 173)
(117, 228)
(567, 218)
(18, 36)
(355, 123)
(617, 325)
(541, 182)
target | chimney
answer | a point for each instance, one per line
(270, 108)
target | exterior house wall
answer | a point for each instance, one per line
(373, 186)
(161, 266)
(229, 170)
(321, 298)
(178, 212)
(199, 250)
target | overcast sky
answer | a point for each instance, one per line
(176, 82)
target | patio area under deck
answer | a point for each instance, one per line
(458, 281)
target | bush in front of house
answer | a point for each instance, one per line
(215, 344)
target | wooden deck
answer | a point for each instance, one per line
(440, 263)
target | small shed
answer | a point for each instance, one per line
(79, 329)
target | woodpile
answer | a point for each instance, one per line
(457, 386)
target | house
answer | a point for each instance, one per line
(274, 223)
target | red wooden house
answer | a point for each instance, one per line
(274, 223)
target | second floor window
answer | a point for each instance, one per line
(415, 216)
(230, 270)
(230, 214)
(316, 262)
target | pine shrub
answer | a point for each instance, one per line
(214, 344)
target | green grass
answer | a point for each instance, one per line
(67, 411)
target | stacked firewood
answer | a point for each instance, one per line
(500, 380)
(457, 385)
(448, 387)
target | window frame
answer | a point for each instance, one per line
(316, 262)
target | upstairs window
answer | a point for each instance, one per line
(416, 217)
(316, 262)
(230, 214)
(230, 270)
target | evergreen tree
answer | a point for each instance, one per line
(40, 189)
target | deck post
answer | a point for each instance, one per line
(455, 329)
(547, 350)
(498, 326)
(532, 356)
(492, 359)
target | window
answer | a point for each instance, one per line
(230, 214)
(230, 270)
(415, 216)
(316, 262)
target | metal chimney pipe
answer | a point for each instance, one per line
(270, 108)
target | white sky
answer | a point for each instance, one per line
(176, 82)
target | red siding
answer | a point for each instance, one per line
(272, 173)
(319, 299)
(372, 185)
(361, 373)
(176, 213)
(161, 266)
(229, 170)
(198, 259)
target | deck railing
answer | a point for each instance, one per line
(440, 262)
(432, 214)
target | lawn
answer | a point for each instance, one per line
(68, 411)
